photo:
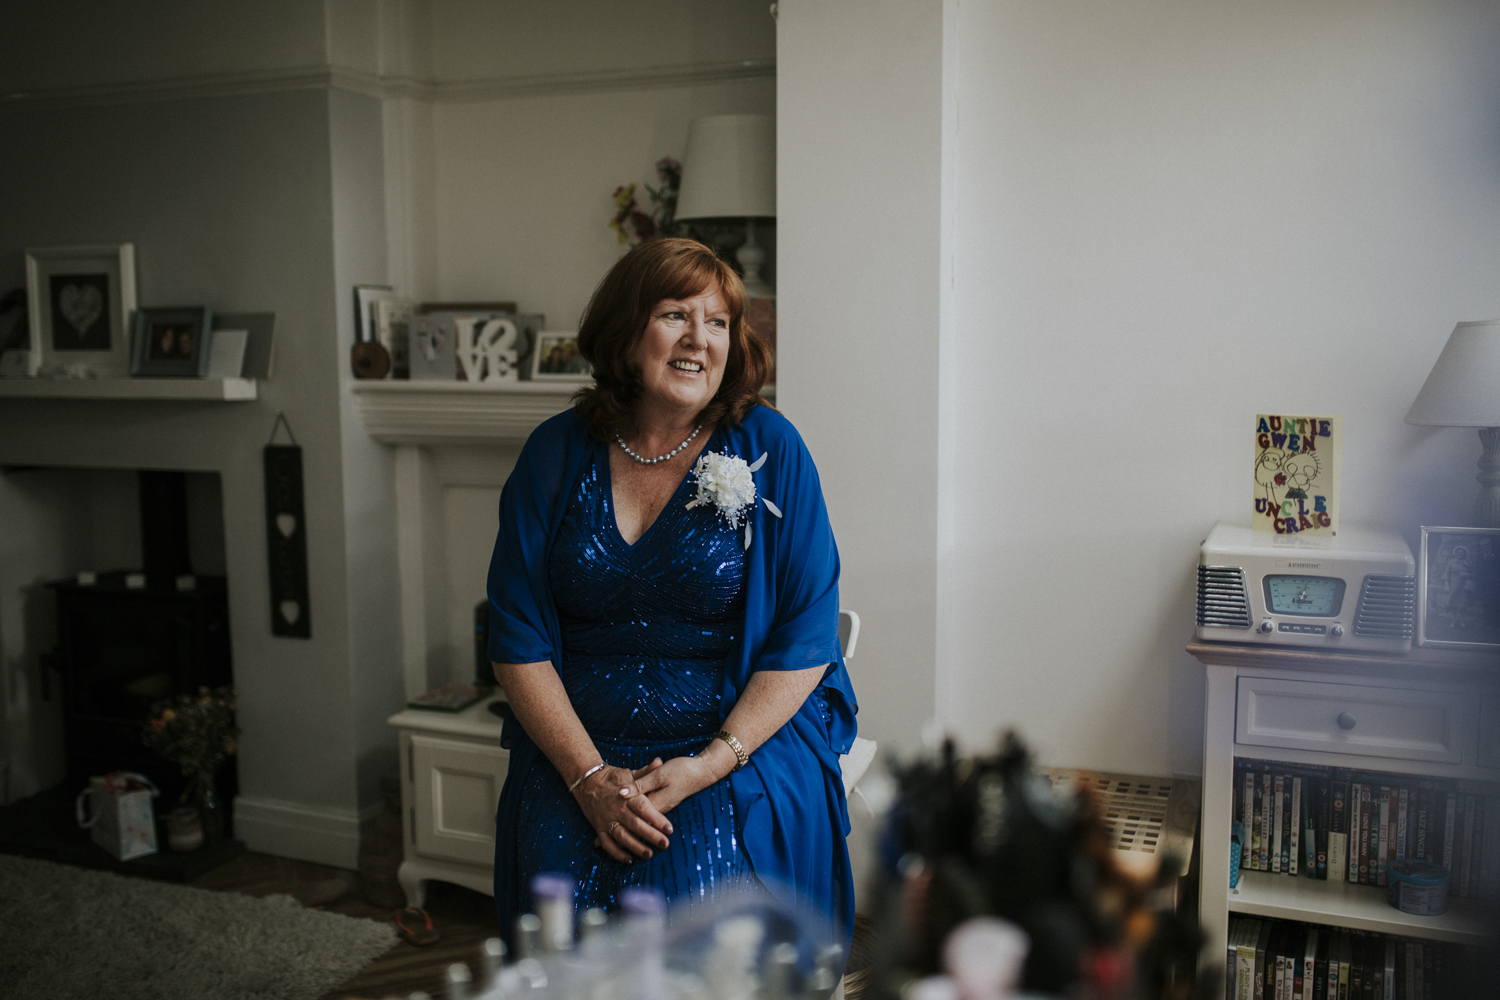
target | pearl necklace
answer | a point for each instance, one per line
(659, 458)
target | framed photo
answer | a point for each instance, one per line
(83, 297)
(172, 342)
(1458, 588)
(260, 345)
(365, 297)
(556, 358)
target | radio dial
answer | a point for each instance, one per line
(1267, 627)
(1337, 631)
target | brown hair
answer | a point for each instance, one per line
(616, 317)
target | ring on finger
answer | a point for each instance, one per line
(611, 827)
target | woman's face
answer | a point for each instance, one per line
(682, 354)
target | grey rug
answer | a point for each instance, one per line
(73, 933)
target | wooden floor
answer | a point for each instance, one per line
(465, 919)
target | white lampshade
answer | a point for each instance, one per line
(1463, 389)
(729, 169)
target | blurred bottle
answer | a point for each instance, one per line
(493, 952)
(820, 985)
(985, 957)
(781, 969)
(528, 936)
(645, 930)
(730, 966)
(553, 895)
(595, 921)
(458, 979)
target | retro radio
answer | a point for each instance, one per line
(1357, 590)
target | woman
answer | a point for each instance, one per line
(670, 652)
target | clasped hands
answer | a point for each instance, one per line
(628, 808)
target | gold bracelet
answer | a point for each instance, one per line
(734, 744)
(582, 777)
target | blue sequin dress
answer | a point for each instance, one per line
(645, 632)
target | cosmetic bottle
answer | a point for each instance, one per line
(553, 897)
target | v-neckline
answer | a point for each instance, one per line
(614, 516)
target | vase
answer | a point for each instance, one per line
(210, 809)
(184, 829)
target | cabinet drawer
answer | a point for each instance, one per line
(456, 786)
(1368, 721)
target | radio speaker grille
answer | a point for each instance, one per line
(1387, 607)
(1222, 601)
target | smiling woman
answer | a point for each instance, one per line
(632, 326)
(678, 696)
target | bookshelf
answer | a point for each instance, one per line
(1427, 714)
(1355, 907)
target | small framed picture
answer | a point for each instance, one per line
(365, 297)
(1458, 588)
(83, 297)
(172, 342)
(556, 358)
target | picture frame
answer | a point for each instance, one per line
(83, 298)
(556, 358)
(171, 342)
(365, 297)
(1458, 588)
(392, 331)
(260, 348)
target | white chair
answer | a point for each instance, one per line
(861, 755)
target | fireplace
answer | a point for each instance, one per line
(130, 638)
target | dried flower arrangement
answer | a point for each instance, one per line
(635, 226)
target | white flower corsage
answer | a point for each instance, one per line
(728, 482)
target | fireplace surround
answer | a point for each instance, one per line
(127, 639)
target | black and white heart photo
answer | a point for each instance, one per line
(80, 312)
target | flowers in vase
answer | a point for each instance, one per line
(195, 732)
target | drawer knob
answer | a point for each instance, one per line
(1346, 721)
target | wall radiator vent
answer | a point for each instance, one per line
(1150, 819)
(1222, 601)
(1387, 607)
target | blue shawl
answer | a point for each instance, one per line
(790, 798)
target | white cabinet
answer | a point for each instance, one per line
(1431, 712)
(456, 790)
(452, 769)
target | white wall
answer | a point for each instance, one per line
(85, 43)
(859, 146)
(1175, 215)
(1164, 217)
(488, 39)
(523, 185)
(373, 611)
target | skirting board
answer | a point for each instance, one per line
(292, 830)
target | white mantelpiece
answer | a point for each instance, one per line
(434, 413)
(456, 443)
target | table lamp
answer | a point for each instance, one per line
(729, 171)
(1463, 390)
